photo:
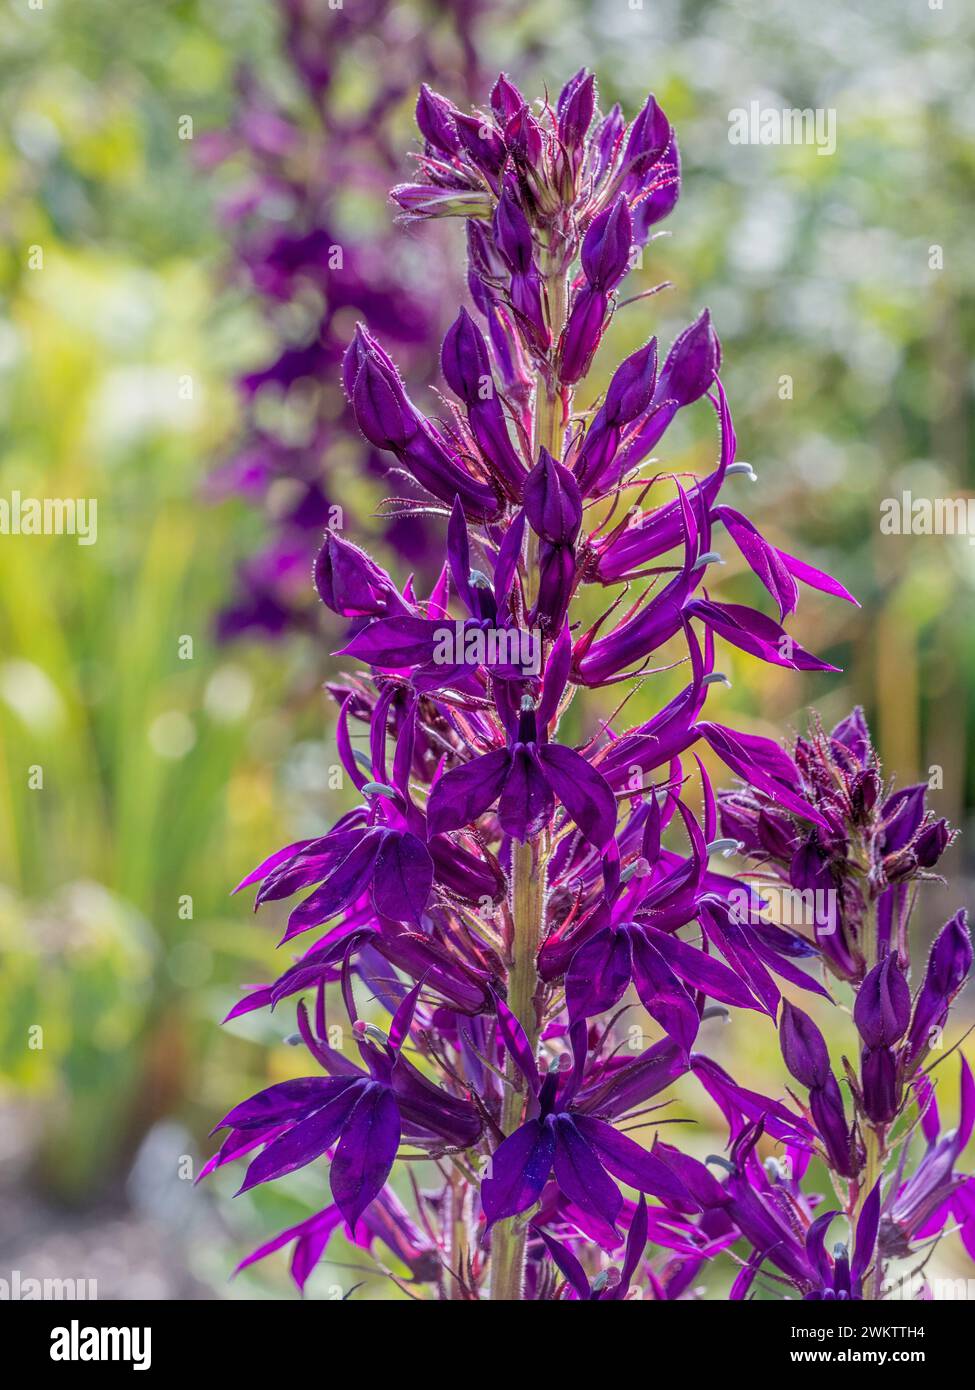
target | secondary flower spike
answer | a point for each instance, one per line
(516, 939)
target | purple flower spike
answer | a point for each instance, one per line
(519, 867)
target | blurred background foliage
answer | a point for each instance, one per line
(171, 763)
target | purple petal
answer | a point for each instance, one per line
(282, 1102)
(636, 1166)
(402, 878)
(756, 633)
(462, 795)
(662, 994)
(366, 1152)
(582, 790)
(527, 802)
(700, 970)
(305, 1141)
(568, 1264)
(516, 1041)
(598, 974)
(579, 1173)
(394, 642)
(519, 1170)
(343, 886)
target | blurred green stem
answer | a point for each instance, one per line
(528, 908)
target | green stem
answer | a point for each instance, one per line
(528, 861)
(528, 908)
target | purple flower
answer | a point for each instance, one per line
(517, 859)
(525, 779)
(583, 1152)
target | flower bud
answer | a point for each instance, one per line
(483, 145)
(882, 1009)
(523, 136)
(506, 100)
(552, 501)
(576, 105)
(435, 118)
(382, 408)
(931, 843)
(605, 141)
(649, 137)
(467, 370)
(829, 1116)
(583, 333)
(464, 358)
(948, 966)
(691, 363)
(352, 584)
(659, 198)
(632, 386)
(606, 246)
(556, 579)
(803, 1047)
(864, 791)
(880, 1084)
(512, 233)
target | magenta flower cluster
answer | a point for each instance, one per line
(509, 895)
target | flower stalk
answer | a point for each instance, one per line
(499, 898)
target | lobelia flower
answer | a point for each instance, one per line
(584, 1152)
(812, 818)
(500, 888)
(920, 1205)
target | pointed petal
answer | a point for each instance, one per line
(344, 884)
(402, 878)
(636, 1166)
(527, 802)
(568, 1264)
(701, 971)
(304, 1142)
(598, 974)
(283, 1102)
(366, 1151)
(462, 795)
(580, 1174)
(582, 790)
(662, 994)
(519, 1170)
(516, 1041)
